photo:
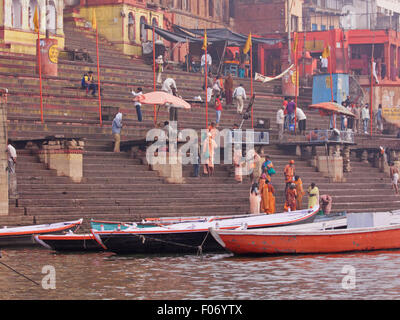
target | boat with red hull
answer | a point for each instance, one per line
(309, 240)
(24, 236)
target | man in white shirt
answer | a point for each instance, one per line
(139, 92)
(280, 120)
(11, 162)
(301, 118)
(324, 64)
(169, 86)
(203, 63)
(365, 118)
(239, 95)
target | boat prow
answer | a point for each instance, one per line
(24, 236)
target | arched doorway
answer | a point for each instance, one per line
(143, 31)
(16, 14)
(51, 17)
(131, 27)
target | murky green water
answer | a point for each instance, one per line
(374, 275)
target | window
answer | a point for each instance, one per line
(16, 14)
(131, 27)
(314, 27)
(231, 9)
(155, 24)
(323, 27)
(211, 8)
(51, 17)
(143, 31)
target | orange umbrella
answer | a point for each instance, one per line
(326, 107)
(162, 98)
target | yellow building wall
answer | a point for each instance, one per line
(112, 23)
(23, 39)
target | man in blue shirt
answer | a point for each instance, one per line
(116, 131)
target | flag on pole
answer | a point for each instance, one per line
(327, 52)
(36, 20)
(248, 44)
(295, 43)
(94, 20)
(205, 42)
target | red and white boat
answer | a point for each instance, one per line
(359, 232)
(22, 236)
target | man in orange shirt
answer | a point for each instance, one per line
(289, 172)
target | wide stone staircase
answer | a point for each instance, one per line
(118, 187)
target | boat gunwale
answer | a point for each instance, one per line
(310, 214)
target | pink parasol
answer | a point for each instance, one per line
(328, 107)
(162, 98)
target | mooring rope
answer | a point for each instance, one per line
(143, 238)
(19, 273)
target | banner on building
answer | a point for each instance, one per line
(264, 79)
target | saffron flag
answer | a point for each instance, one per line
(326, 53)
(248, 44)
(36, 19)
(295, 43)
(94, 21)
(205, 42)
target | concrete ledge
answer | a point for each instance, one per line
(331, 167)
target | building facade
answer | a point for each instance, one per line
(16, 23)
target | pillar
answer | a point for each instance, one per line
(346, 159)
(66, 157)
(3, 160)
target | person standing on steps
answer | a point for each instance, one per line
(116, 130)
(313, 195)
(280, 121)
(218, 108)
(12, 177)
(394, 176)
(289, 173)
(240, 96)
(169, 86)
(228, 85)
(138, 105)
(365, 118)
(300, 192)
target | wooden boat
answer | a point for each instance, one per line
(23, 236)
(316, 238)
(87, 242)
(191, 237)
(68, 242)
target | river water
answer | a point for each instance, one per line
(84, 276)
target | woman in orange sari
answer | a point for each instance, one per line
(268, 198)
(291, 195)
(300, 192)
